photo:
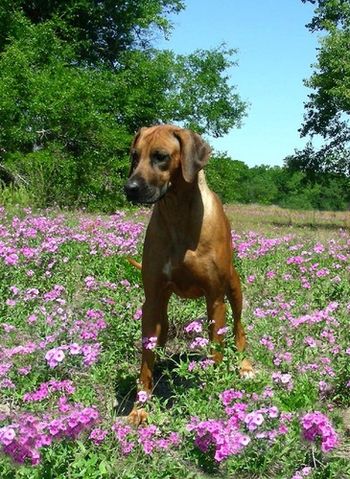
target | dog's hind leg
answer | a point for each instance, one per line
(216, 310)
(234, 295)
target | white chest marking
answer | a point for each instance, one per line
(167, 269)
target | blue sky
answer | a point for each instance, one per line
(275, 54)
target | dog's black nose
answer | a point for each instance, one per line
(132, 188)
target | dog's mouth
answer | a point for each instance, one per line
(140, 193)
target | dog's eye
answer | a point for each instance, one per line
(159, 157)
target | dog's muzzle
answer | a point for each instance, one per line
(138, 191)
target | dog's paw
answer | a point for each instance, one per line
(246, 370)
(137, 417)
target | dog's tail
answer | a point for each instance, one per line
(134, 263)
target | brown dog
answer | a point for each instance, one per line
(187, 248)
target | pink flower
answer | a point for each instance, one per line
(199, 342)
(90, 282)
(11, 259)
(11, 302)
(142, 396)
(317, 425)
(253, 420)
(222, 436)
(7, 435)
(54, 357)
(138, 314)
(149, 343)
(32, 318)
(283, 379)
(194, 326)
(319, 248)
(223, 330)
(74, 349)
(97, 436)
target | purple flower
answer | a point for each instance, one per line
(253, 420)
(97, 436)
(194, 326)
(223, 330)
(142, 396)
(7, 435)
(317, 425)
(54, 357)
(199, 342)
(283, 379)
(138, 314)
(223, 436)
(149, 343)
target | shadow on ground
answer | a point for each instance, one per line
(166, 380)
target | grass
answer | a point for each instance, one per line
(71, 343)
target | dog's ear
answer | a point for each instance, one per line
(137, 136)
(194, 153)
(134, 141)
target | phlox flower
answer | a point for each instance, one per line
(230, 395)
(223, 330)
(7, 435)
(14, 290)
(138, 314)
(317, 425)
(11, 302)
(194, 326)
(149, 343)
(90, 353)
(199, 342)
(284, 379)
(11, 259)
(319, 248)
(90, 282)
(54, 357)
(200, 365)
(310, 341)
(97, 436)
(223, 436)
(142, 396)
(74, 349)
(8, 328)
(32, 318)
(267, 342)
(253, 420)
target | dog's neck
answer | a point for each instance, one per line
(182, 209)
(182, 194)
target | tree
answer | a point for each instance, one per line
(226, 176)
(100, 30)
(328, 106)
(78, 78)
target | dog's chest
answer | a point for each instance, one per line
(181, 276)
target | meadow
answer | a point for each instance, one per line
(71, 340)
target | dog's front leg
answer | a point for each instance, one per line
(154, 333)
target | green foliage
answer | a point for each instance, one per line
(291, 186)
(260, 186)
(77, 79)
(328, 106)
(225, 177)
(272, 308)
(100, 31)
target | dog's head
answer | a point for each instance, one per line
(160, 156)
